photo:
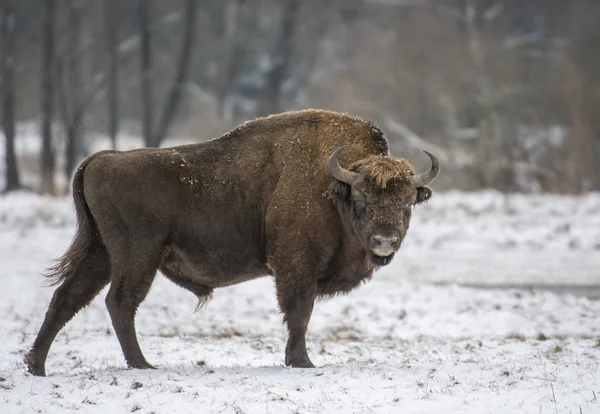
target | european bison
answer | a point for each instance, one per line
(311, 197)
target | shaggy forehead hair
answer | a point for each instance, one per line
(382, 169)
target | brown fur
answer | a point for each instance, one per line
(382, 169)
(259, 200)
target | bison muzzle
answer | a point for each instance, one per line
(311, 197)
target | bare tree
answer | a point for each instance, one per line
(580, 158)
(239, 21)
(47, 155)
(153, 136)
(491, 133)
(271, 100)
(183, 66)
(72, 108)
(111, 26)
(8, 53)
(73, 91)
(313, 22)
(144, 12)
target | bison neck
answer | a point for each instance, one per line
(350, 266)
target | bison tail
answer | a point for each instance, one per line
(67, 265)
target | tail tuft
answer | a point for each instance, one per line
(67, 265)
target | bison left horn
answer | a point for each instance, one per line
(341, 174)
(428, 176)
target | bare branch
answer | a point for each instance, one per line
(416, 141)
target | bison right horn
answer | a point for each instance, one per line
(340, 173)
(428, 176)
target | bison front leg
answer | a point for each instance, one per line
(296, 305)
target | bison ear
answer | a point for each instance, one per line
(339, 191)
(423, 194)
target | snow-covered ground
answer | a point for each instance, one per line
(411, 340)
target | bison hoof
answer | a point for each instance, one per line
(140, 365)
(300, 362)
(34, 366)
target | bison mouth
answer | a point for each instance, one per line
(381, 260)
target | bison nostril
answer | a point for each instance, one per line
(384, 241)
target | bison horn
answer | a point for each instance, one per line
(427, 177)
(341, 174)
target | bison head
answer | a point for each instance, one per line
(377, 195)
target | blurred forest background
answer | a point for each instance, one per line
(506, 93)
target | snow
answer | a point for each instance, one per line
(411, 340)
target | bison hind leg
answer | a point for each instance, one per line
(75, 292)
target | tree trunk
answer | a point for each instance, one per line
(74, 89)
(112, 28)
(271, 100)
(144, 12)
(47, 155)
(239, 22)
(580, 161)
(181, 76)
(72, 112)
(488, 127)
(7, 46)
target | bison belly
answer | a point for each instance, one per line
(212, 266)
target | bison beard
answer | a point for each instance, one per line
(270, 197)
